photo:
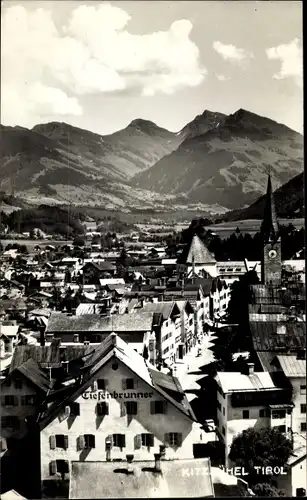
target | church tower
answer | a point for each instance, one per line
(271, 254)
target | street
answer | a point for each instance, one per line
(188, 370)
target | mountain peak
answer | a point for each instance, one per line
(140, 122)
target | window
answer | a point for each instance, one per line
(147, 440)
(303, 389)
(131, 407)
(11, 422)
(128, 383)
(303, 408)
(28, 400)
(119, 440)
(102, 409)
(245, 414)
(264, 413)
(76, 337)
(303, 427)
(223, 410)
(115, 366)
(281, 428)
(101, 384)
(61, 441)
(158, 407)
(173, 438)
(74, 409)
(10, 400)
(278, 413)
(18, 383)
(223, 431)
(60, 466)
(89, 441)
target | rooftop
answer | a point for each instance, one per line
(196, 252)
(138, 321)
(292, 367)
(236, 381)
(265, 335)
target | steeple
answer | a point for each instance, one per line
(269, 227)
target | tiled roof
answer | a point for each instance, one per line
(266, 338)
(44, 356)
(102, 266)
(138, 321)
(292, 367)
(236, 381)
(165, 308)
(110, 480)
(196, 251)
(34, 373)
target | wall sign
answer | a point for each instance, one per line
(100, 395)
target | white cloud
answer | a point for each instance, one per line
(222, 78)
(46, 70)
(231, 52)
(291, 58)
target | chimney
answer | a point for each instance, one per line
(251, 368)
(42, 336)
(158, 462)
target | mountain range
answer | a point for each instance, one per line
(215, 163)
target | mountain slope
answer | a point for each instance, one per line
(289, 202)
(202, 124)
(65, 163)
(229, 163)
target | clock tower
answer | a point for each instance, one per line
(271, 254)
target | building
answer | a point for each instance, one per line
(94, 328)
(250, 400)
(196, 258)
(271, 256)
(21, 392)
(115, 404)
(93, 272)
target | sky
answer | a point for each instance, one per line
(100, 65)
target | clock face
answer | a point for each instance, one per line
(272, 254)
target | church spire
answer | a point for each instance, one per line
(269, 227)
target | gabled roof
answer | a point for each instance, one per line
(34, 374)
(113, 347)
(165, 308)
(236, 381)
(138, 321)
(196, 252)
(110, 480)
(44, 356)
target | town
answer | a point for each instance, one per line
(119, 377)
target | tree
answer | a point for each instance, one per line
(267, 490)
(79, 241)
(264, 447)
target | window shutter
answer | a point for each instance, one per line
(137, 441)
(152, 407)
(166, 438)
(81, 443)
(52, 442)
(65, 442)
(150, 440)
(92, 441)
(15, 400)
(179, 439)
(124, 384)
(123, 410)
(95, 386)
(106, 405)
(122, 440)
(52, 468)
(164, 405)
